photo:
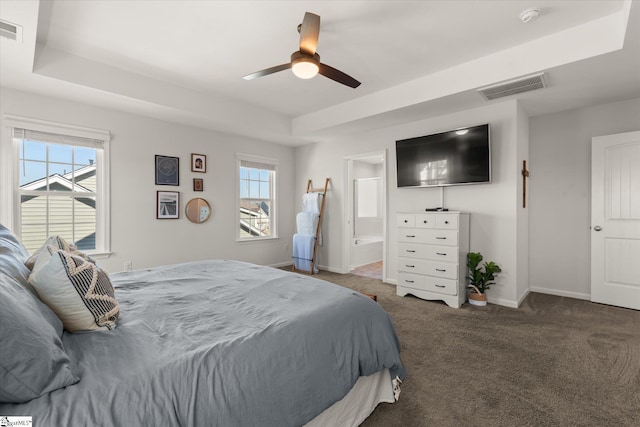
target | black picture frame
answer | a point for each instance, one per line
(198, 184)
(167, 204)
(167, 170)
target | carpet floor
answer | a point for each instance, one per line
(553, 362)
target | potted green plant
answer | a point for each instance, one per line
(480, 277)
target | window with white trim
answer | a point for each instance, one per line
(256, 197)
(60, 185)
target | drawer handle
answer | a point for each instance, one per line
(410, 266)
(439, 238)
(409, 281)
(410, 251)
(425, 221)
(440, 286)
(405, 221)
(441, 253)
(446, 222)
(439, 269)
(410, 235)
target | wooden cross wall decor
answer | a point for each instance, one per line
(525, 175)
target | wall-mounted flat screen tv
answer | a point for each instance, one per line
(456, 157)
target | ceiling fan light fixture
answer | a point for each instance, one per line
(305, 69)
(305, 66)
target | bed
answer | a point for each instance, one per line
(219, 343)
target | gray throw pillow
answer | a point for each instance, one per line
(32, 357)
(12, 258)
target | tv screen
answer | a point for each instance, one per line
(456, 157)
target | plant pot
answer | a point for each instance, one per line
(477, 299)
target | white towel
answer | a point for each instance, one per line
(303, 251)
(311, 202)
(307, 222)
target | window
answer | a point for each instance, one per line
(257, 197)
(60, 185)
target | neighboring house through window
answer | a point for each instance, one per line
(257, 197)
(60, 184)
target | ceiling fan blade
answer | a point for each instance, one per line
(267, 71)
(338, 76)
(309, 33)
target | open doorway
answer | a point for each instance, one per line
(365, 216)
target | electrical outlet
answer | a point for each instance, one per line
(128, 266)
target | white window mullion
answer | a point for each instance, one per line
(73, 199)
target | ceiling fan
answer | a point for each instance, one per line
(305, 63)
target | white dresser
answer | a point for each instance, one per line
(432, 256)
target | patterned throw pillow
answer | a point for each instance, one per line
(60, 243)
(55, 241)
(78, 291)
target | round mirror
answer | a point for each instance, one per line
(198, 210)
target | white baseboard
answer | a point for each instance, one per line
(556, 292)
(522, 298)
(320, 267)
(280, 264)
(332, 269)
(502, 302)
(391, 281)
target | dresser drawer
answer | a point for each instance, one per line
(409, 280)
(428, 236)
(430, 284)
(425, 221)
(446, 270)
(448, 221)
(406, 220)
(443, 286)
(436, 253)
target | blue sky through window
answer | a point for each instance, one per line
(62, 159)
(254, 183)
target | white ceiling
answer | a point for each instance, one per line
(184, 60)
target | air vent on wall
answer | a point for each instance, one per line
(10, 31)
(512, 87)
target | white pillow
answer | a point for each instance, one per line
(79, 292)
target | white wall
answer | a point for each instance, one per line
(522, 213)
(135, 233)
(560, 212)
(492, 206)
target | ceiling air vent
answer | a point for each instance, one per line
(10, 31)
(512, 87)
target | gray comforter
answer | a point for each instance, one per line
(220, 343)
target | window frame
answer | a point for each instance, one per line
(273, 208)
(10, 191)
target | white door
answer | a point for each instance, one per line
(615, 220)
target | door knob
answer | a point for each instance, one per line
(597, 228)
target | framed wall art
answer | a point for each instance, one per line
(167, 170)
(198, 163)
(168, 205)
(198, 184)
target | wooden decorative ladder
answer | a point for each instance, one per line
(323, 191)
